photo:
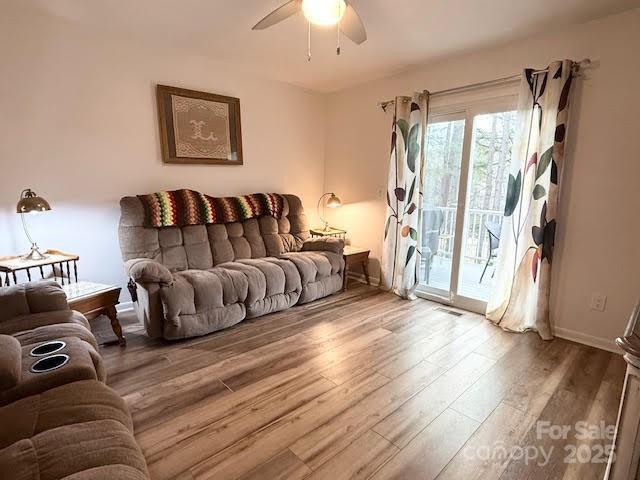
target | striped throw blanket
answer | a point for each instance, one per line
(179, 208)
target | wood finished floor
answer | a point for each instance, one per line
(359, 385)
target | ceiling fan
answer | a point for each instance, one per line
(321, 12)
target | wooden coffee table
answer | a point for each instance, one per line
(355, 256)
(95, 299)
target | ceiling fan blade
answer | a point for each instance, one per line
(352, 26)
(285, 11)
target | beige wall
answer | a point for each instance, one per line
(599, 231)
(78, 124)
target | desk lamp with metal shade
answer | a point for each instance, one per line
(30, 202)
(333, 202)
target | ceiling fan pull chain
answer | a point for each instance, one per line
(338, 49)
(309, 44)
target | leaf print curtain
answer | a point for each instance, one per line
(401, 253)
(520, 297)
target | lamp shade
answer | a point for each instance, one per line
(333, 201)
(31, 202)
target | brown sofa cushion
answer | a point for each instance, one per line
(273, 284)
(32, 297)
(58, 330)
(203, 301)
(10, 362)
(76, 402)
(30, 321)
(73, 449)
(324, 244)
(320, 272)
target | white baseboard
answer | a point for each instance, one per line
(585, 339)
(124, 307)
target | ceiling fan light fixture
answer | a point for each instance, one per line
(324, 12)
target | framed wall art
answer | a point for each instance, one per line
(199, 127)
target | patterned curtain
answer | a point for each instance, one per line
(401, 256)
(520, 297)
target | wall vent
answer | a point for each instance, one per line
(450, 312)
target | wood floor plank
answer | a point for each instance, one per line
(379, 353)
(542, 377)
(261, 445)
(421, 350)
(335, 435)
(284, 466)
(430, 332)
(602, 414)
(430, 451)
(570, 403)
(173, 401)
(455, 351)
(499, 344)
(486, 394)
(486, 453)
(419, 411)
(215, 437)
(207, 412)
(359, 460)
(507, 426)
(258, 365)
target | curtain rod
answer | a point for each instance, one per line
(575, 65)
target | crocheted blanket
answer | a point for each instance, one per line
(179, 208)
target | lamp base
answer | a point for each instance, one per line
(35, 254)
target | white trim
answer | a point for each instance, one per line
(463, 303)
(124, 307)
(586, 339)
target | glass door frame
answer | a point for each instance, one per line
(466, 111)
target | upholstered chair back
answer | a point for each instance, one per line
(204, 246)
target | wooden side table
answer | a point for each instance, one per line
(10, 266)
(95, 299)
(355, 256)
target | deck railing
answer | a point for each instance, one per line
(476, 246)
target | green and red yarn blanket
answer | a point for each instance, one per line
(179, 208)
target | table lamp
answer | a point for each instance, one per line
(30, 202)
(333, 202)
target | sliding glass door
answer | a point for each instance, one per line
(467, 166)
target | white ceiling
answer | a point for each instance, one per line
(401, 33)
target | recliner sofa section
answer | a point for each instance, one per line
(193, 280)
(62, 423)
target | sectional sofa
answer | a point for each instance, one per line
(193, 280)
(64, 422)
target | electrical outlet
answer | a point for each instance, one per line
(598, 302)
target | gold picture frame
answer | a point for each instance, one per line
(199, 127)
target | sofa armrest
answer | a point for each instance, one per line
(145, 270)
(324, 244)
(10, 362)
